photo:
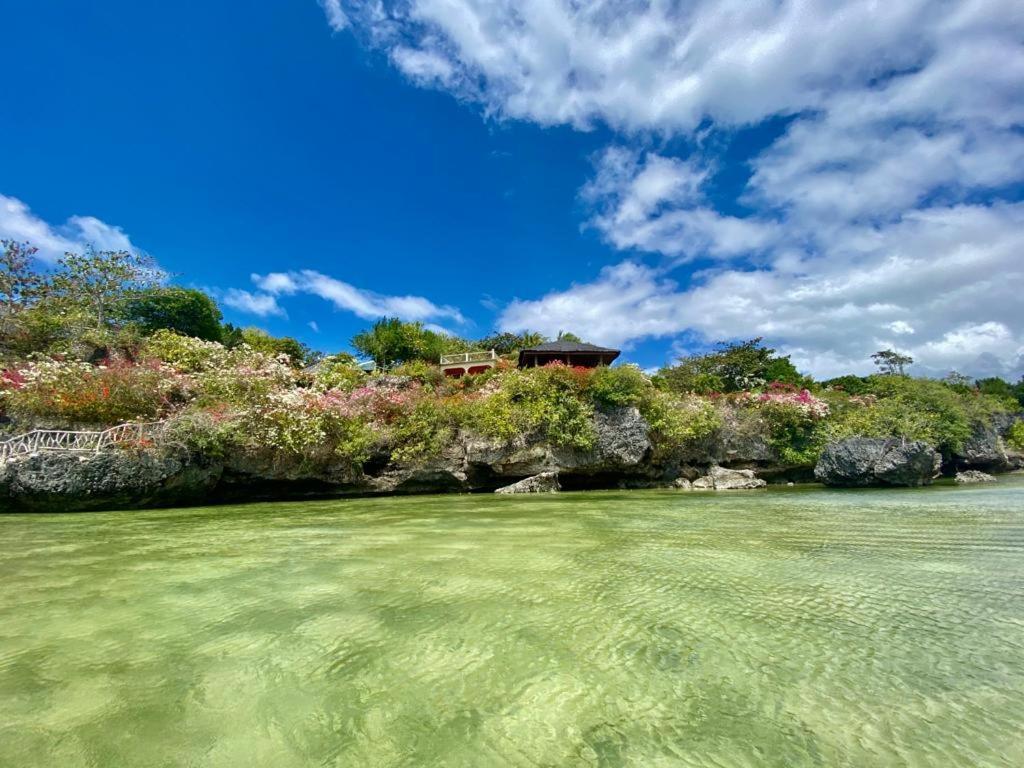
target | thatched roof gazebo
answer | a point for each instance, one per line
(568, 352)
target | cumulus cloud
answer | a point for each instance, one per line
(259, 304)
(920, 285)
(18, 222)
(655, 203)
(884, 215)
(363, 303)
(665, 65)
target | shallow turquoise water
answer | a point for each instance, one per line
(788, 628)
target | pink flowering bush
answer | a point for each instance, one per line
(792, 416)
(783, 396)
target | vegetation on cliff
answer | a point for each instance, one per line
(102, 341)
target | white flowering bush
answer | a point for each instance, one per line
(51, 391)
(305, 425)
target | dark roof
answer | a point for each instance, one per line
(562, 347)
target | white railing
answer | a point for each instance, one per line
(77, 441)
(469, 357)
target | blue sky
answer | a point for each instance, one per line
(654, 176)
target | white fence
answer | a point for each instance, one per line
(77, 441)
(469, 357)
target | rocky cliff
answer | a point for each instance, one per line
(622, 457)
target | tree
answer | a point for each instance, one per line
(1002, 388)
(568, 336)
(891, 362)
(184, 310)
(958, 381)
(731, 367)
(20, 284)
(507, 343)
(392, 341)
(230, 335)
(96, 282)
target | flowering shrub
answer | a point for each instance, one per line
(53, 391)
(780, 396)
(338, 372)
(302, 424)
(185, 353)
(245, 377)
(914, 409)
(422, 431)
(791, 416)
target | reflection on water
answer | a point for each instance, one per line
(788, 628)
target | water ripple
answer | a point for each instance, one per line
(789, 628)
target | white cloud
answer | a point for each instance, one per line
(366, 304)
(900, 327)
(422, 66)
(655, 203)
(260, 304)
(951, 275)
(669, 66)
(313, 326)
(881, 217)
(336, 17)
(17, 222)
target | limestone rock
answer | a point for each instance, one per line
(721, 479)
(545, 482)
(969, 476)
(68, 482)
(867, 461)
(984, 449)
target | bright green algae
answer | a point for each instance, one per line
(790, 627)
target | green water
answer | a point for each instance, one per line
(783, 628)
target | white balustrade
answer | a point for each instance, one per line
(78, 441)
(469, 357)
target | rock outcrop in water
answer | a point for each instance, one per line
(545, 482)
(721, 479)
(971, 476)
(865, 461)
(986, 448)
(65, 482)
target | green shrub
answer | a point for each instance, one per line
(421, 432)
(1015, 437)
(298, 354)
(553, 399)
(623, 385)
(204, 433)
(792, 433)
(678, 421)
